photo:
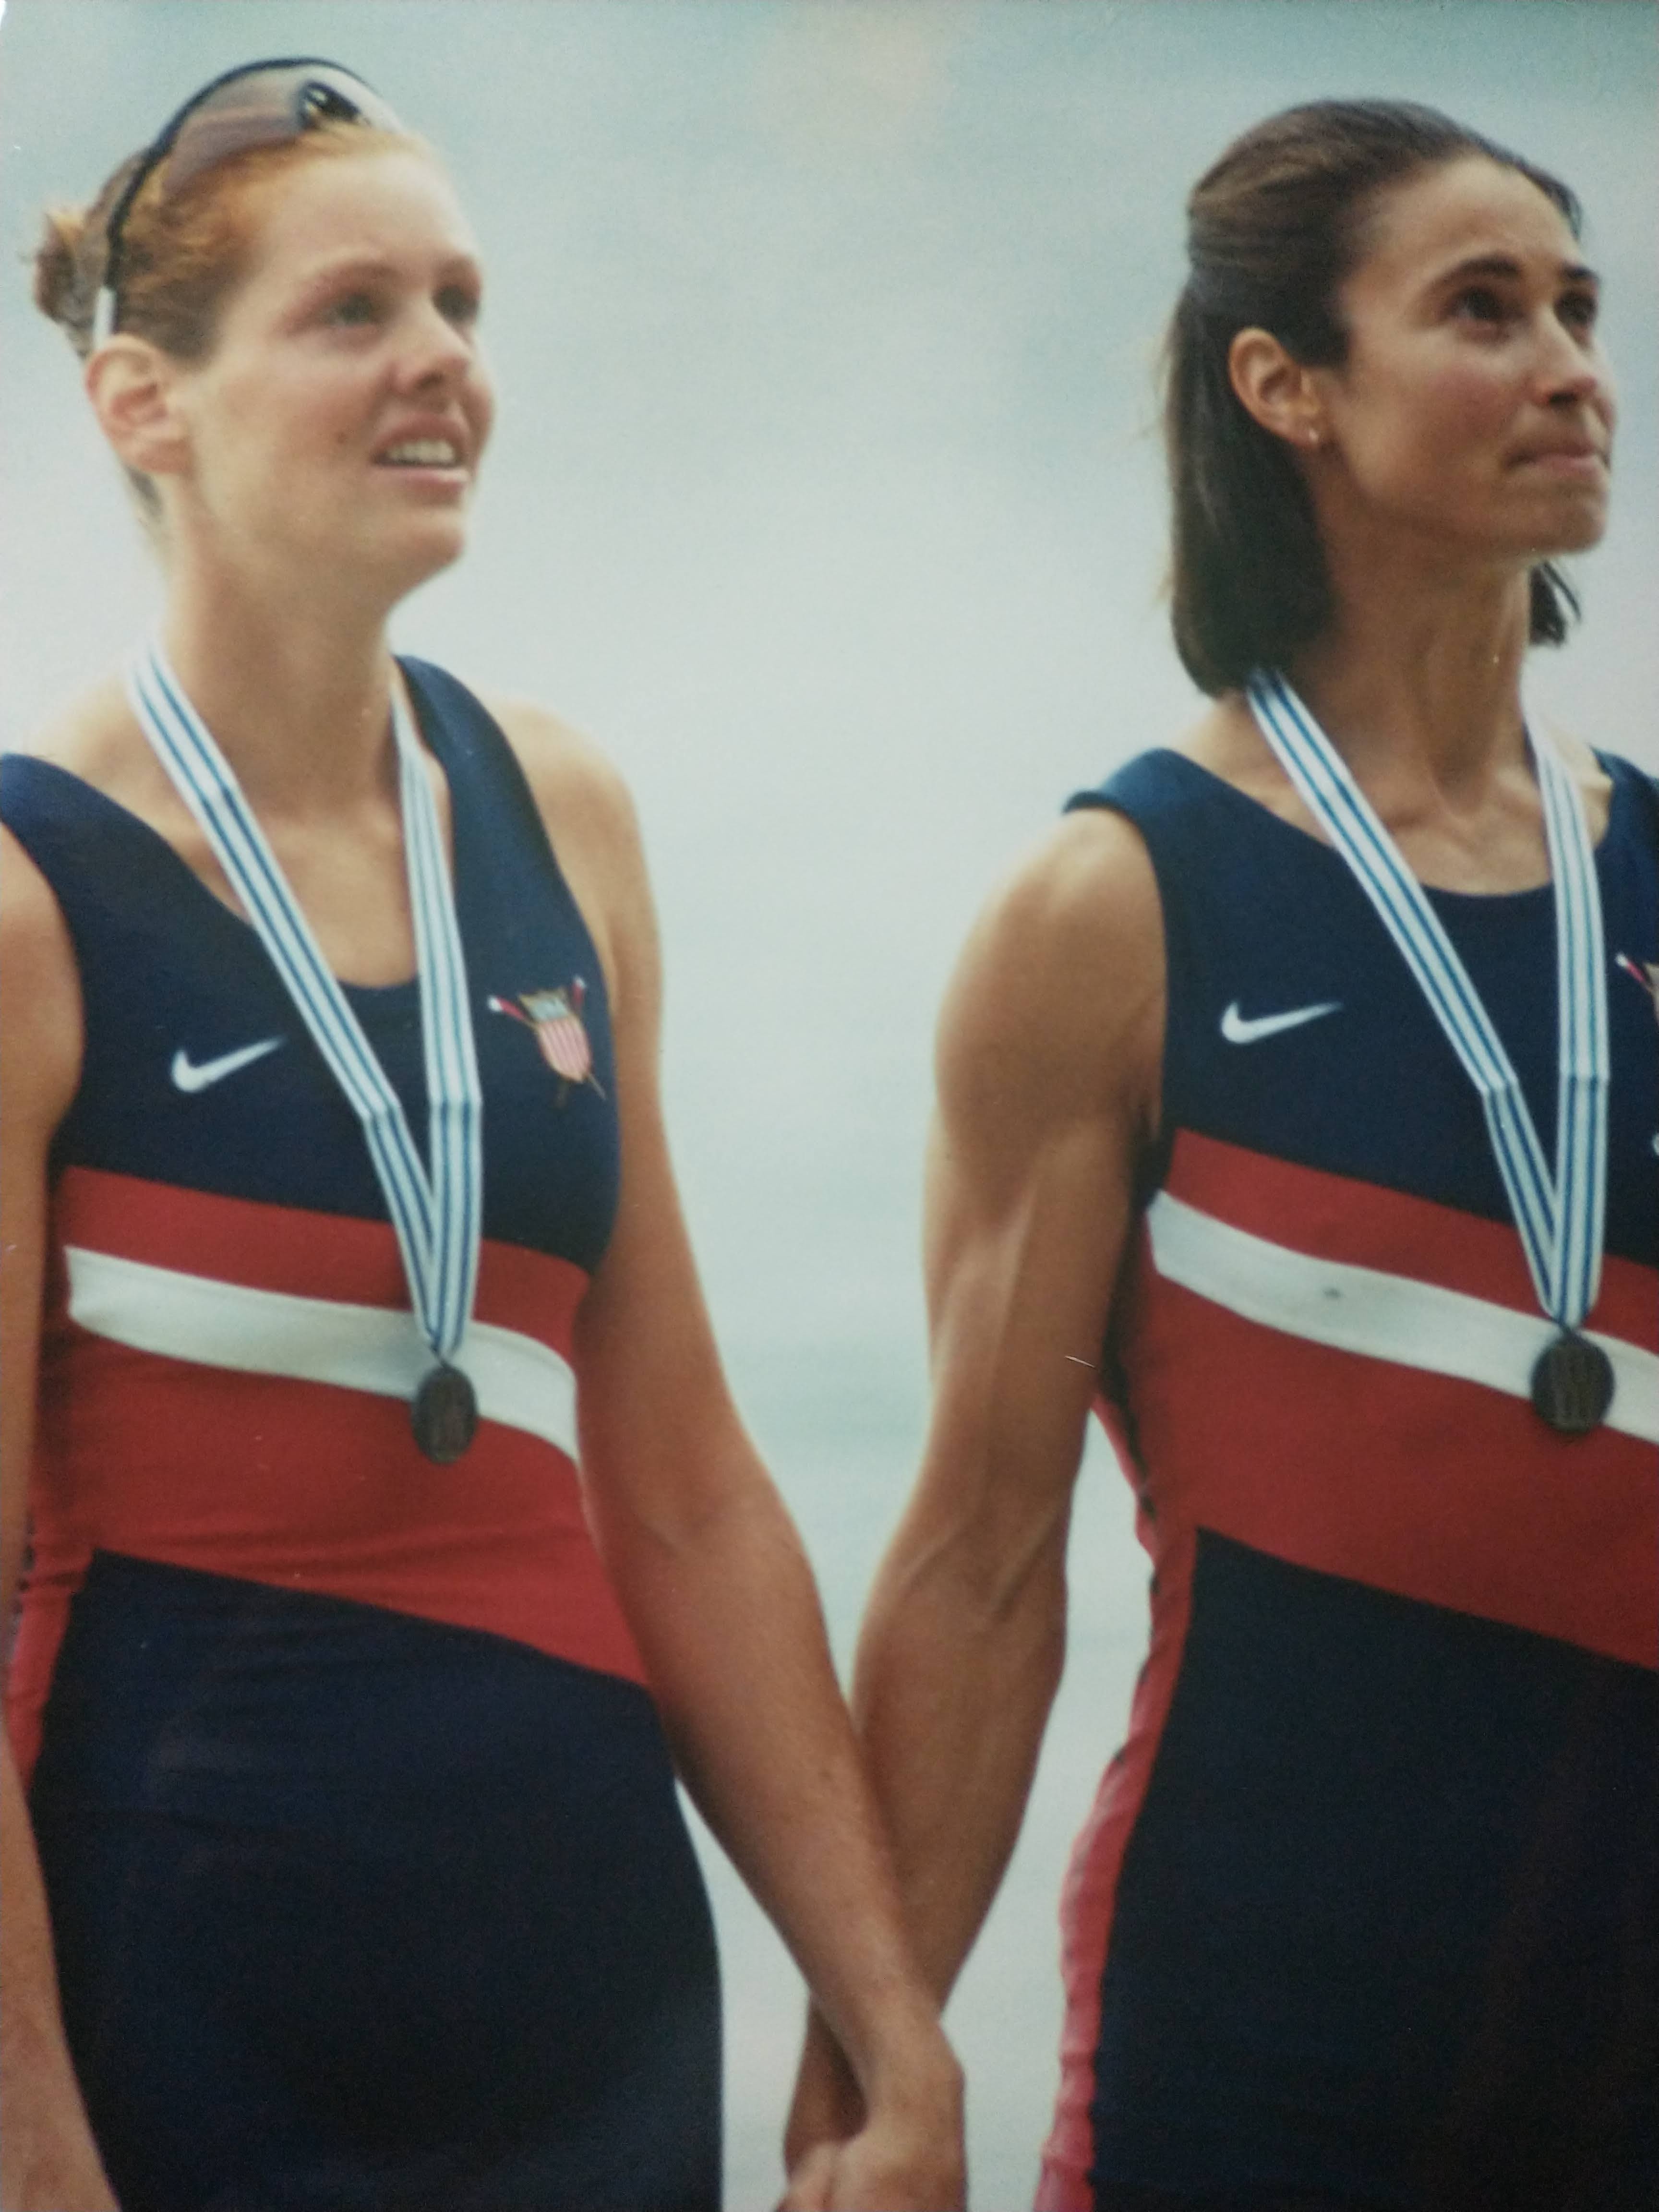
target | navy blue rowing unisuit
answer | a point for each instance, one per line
(368, 1878)
(1367, 1912)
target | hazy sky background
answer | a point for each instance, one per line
(825, 495)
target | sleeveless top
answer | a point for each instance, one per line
(1391, 1609)
(228, 1353)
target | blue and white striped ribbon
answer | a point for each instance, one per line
(1560, 1216)
(437, 1215)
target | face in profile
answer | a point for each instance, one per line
(340, 418)
(1475, 410)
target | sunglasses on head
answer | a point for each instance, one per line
(259, 104)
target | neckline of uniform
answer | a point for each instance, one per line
(1489, 901)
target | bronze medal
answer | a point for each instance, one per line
(444, 1413)
(1572, 1385)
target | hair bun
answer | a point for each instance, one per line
(64, 286)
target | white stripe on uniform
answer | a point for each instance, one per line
(1383, 1317)
(519, 1380)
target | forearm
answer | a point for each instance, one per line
(954, 1683)
(47, 2159)
(953, 1692)
(729, 1621)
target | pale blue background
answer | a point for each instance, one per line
(825, 495)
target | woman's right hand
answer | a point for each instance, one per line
(827, 2106)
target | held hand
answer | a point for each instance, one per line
(883, 2169)
(906, 2157)
(828, 2106)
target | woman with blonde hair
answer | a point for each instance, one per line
(386, 1518)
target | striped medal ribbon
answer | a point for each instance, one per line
(437, 1215)
(1561, 1215)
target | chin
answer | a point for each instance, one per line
(1593, 531)
(1570, 520)
(416, 564)
(1576, 534)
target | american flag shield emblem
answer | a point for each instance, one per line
(555, 1017)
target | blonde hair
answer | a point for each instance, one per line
(182, 253)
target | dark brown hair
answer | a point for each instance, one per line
(1274, 228)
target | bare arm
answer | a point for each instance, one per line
(716, 1587)
(1049, 1059)
(47, 2159)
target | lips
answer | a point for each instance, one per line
(1566, 454)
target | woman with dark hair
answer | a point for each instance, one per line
(387, 1517)
(1297, 1100)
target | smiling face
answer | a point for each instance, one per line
(334, 431)
(1474, 411)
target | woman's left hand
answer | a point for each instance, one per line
(907, 2156)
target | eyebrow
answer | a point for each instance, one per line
(348, 266)
(1504, 265)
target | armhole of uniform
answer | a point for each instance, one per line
(1152, 1162)
(493, 755)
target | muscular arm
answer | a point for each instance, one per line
(47, 2160)
(1048, 1085)
(716, 1587)
(1047, 1071)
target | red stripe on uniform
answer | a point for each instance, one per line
(1089, 1897)
(1334, 1217)
(303, 1485)
(1423, 1484)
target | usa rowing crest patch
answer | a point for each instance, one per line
(557, 1019)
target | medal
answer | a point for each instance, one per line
(1572, 1385)
(436, 1215)
(1559, 1213)
(444, 1413)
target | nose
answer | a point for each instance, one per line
(1572, 370)
(435, 352)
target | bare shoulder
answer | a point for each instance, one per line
(1080, 894)
(1225, 740)
(580, 791)
(594, 831)
(1057, 1004)
(1586, 770)
(95, 737)
(39, 994)
(33, 927)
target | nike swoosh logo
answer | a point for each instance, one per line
(1241, 1028)
(187, 1077)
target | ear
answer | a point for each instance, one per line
(132, 386)
(1276, 389)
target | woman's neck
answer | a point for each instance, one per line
(1417, 680)
(1420, 693)
(297, 695)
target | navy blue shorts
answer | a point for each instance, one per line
(359, 1912)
